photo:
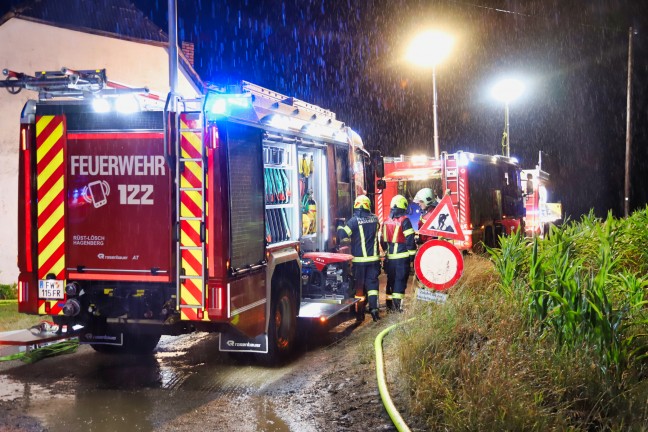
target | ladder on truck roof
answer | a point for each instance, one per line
(191, 231)
(452, 183)
(66, 83)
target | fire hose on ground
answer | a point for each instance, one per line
(382, 381)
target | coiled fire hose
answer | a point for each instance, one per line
(382, 381)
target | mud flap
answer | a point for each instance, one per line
(232, 341)
(103, 338)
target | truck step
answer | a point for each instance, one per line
(322, 310)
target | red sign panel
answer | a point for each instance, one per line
(438, 264)
(118, 204)
(443, 222)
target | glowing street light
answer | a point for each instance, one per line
(428, 50)
(507, 90)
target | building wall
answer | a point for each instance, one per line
(29, 47)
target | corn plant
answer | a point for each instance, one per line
(629, 335)
(510, 261)
(632, 240)
(573, 291)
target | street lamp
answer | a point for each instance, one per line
(428, 50)
(507, 90)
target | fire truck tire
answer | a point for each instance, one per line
(282, 329)
(489, 237)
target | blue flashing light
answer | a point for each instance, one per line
(241, 101)
(218, 105)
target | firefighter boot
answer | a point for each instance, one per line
(389, 304)
(397, 305)
(374, 315)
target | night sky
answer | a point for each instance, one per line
(348, 56)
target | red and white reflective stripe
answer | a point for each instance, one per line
(50, 171)
(192, 214)
(462, 198)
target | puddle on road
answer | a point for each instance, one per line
(268, 419)
(96, 411)
(161, 392)
(11, 390)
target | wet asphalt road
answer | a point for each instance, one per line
(186, 384)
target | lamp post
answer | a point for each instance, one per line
(428, 50)
(507, 90)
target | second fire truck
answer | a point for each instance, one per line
(485, 192)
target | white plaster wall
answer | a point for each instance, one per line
(26, 46)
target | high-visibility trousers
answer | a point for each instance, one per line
(366, 281)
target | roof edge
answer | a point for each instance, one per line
(191, 72)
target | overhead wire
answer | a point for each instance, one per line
(510, 12)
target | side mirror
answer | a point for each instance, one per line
(529, 184)
(381, 184)
(378, 163)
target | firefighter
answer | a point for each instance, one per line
(362, 230)
(427, 201)
(397, 240)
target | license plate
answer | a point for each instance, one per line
(50, 289)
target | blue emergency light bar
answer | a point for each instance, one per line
(219, 105)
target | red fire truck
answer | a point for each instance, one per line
(212, 214)
(485, 191)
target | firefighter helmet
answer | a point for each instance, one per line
(362, 201)
(426, 196)
(399, 201)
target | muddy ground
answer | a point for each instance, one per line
(187, 385)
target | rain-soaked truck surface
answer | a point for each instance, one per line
(217, 215)
(485, 191)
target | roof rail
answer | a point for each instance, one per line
(65, 83)
(261, 92)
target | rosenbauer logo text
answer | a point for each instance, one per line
(111, 257)
(231, 343)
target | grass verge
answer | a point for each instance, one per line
(546, 335)
(10, 319)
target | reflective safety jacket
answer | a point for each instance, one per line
(397, 237)
(422, 220)
(362, 229)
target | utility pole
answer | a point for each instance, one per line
(436, 104)
(173, 49)
(626, 201)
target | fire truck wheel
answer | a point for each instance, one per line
(282, 328)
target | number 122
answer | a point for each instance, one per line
(135, 194)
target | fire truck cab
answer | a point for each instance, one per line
(485, 191)
(212, 214)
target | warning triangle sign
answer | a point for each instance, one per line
(443, 222)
